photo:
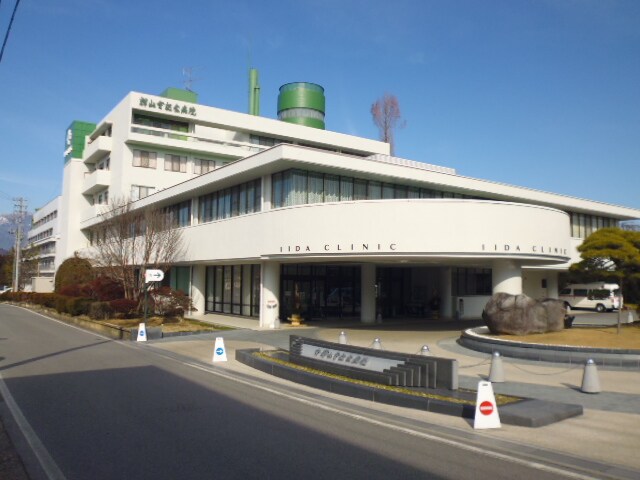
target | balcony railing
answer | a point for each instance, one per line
(97, 149)
(247, 148)
(93, 211)
(96, 181)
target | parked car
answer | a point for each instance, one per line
(598, 296)
(5, 290)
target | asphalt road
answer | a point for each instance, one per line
(92, 408)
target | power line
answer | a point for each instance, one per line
(6, 37)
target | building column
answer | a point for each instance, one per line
(368, 293)
(446, 293)
(552, 284)
(198, 287)
(506, 277)
(269, 294)
(266, 193)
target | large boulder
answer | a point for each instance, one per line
(522, 315)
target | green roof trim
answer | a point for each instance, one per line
(75, 139)
(181, 95)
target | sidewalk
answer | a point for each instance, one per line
(608, 431)
(547, 381)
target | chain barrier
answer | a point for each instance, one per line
(519, 367)
(573, 367)
(483, 362)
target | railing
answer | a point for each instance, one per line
(188, 137)
(379, 157)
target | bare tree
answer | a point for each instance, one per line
(129, 240)
(387, 117)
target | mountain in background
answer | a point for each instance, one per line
(7, 225)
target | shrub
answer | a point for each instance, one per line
(100, 311)
(73, 271)
(123, 307)
(49, 299)
(170, 303)
(78, 306)
(60, 303)
(104, 289)
(71, 290)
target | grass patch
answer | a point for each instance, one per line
(597, 337)
(169, 325)
(270, 356)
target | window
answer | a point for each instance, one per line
(179, 215)
(264, 141)
(471, 281)
(175, 163)
(104, 164)
(233, 289)
(138, 192)
(331, 188)
(346, 189)
(143, 158)
(316, 187)
(359, 189)
(158, 122)
(101, 198)
(203, 166)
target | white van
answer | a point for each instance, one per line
(599, 296)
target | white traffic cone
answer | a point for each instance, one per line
(142, 333)
(496, 373)
(590, 380)
(486, 408)
(219, 352)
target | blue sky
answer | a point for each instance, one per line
(543, 94)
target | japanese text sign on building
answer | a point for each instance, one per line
(167, 106)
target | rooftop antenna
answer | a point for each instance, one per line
(188, 80)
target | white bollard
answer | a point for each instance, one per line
(629, 317)
(424, 351)
(342, 338)
(496, 373)
(590, 380)
(376, 345)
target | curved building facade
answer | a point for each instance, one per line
(281, 218)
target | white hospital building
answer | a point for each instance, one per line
(277, 210)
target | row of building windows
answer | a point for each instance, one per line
(471, 281)
(46, 248)
(583, 225)
(233, 289)
(41, 236)
(174, 163)
(231, 202)
(47, 218)
(158, 122)
(179, 215)
(140, 191)
(46, 264)
(299, 187)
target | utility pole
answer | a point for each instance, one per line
(19, 212)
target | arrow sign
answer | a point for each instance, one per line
(153, 276)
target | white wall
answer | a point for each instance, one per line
(392, 229)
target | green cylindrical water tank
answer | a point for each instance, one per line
(302, 103)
